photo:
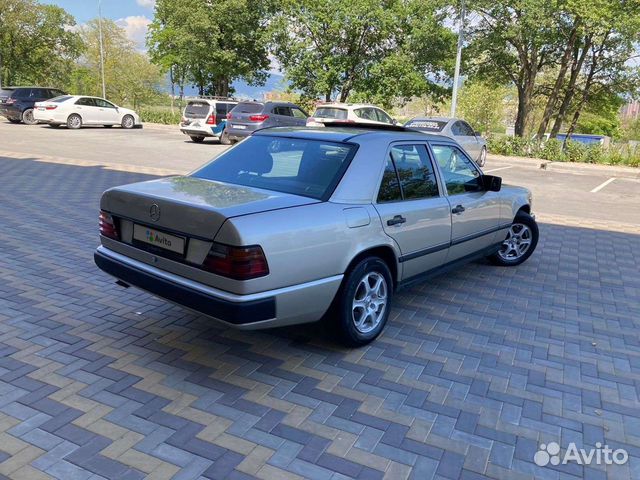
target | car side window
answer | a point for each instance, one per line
(298, 113)
(456, 128)
(86, 102)
(103, 103)
(417, 178)
(466, 129)
(366, 114)
(390, 186)
(383, 117)
(460, 174)
(284, 111)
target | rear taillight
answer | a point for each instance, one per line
(50, 107)
(211, 120)
(258, 118)
(239, 263)
(10, 101)
(107, 226)
(229, 116)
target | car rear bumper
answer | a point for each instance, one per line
(11, 112)
(274, 308)
(201, 131)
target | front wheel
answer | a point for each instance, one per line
(482, 159)
(128, 122)
(520, 243)
(27, 117)
(364, 302)
(74, 121)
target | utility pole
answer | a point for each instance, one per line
(104, 88)
(456, 75)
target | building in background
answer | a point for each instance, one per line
(631, 111)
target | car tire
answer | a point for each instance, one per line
(197, 139)
(482, 159)
(360, 313)
(512, 252)
(14, 121)
(74, 121)
(224, 139)
(27, 117)
(128, 122)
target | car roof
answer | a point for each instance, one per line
(438, 119)
(346, 105)
(346, 134)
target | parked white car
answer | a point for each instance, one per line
(74, 111)
(349, 113)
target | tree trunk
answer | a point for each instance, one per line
(586, 91)
(327, 96)
(525, 95)
(555, 93)
(173, 90)
(576, 68)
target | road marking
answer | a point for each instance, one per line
(602, 185)
(497, 169)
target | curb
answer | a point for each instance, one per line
(632, 172)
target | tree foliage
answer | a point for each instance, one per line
(378, 50)
(129, 76)
(38, 44)
(210, 44)
(483, 106)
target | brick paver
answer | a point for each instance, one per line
(474, 370)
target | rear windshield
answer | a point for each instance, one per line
(6, 93)
(330, 112)
(427, 125)
(248, 108)
(311, 168)
(196, 110)
(60, 99)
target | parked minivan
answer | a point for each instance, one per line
(247, 117)
(206, 117)
(16, 103)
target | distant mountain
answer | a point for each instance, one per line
(274, 81)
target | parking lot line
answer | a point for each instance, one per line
(498, 169)
(602, 185)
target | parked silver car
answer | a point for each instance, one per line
(459, 130)
(294, 225)
(247, 117)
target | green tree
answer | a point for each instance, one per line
(38, 44)
(483, 105)
(210, 44)
(378, 51)
(129, 76)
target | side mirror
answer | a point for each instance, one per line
(492, 183)
(394, 122)
(477, 133)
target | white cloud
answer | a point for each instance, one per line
(136, 29)
(147, 3)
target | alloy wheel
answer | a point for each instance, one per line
(370, 302)
(517, 242)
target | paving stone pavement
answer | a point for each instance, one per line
(474, 371)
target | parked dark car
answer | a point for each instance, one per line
(247, 117)
(16, 103)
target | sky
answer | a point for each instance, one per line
(132, 15)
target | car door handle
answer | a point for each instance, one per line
(458, 210)
(397, 220)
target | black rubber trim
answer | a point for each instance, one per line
(444, 246)
(236, 313)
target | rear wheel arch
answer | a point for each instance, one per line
(385, 253)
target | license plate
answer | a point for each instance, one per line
(240, 127)
(159, 239)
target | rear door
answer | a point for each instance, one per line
(86, 107)
(299, 116)
(475, 212)
(413, 208)
(466, 137)
(282, 116)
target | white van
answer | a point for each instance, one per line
(206, 117)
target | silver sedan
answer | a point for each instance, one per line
(295, 225)
(459, 130)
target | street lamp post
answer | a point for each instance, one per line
(456, 75)
(104, 88)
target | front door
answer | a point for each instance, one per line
(414, 212)
(107, 112)
(475, 212)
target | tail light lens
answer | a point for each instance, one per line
(10, 101)
(258, 118)
(211, 120)
(229, 116)
(107, 226)
(239, 263)
(50, 107)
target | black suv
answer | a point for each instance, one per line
(16, 103)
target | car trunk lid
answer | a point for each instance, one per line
(192, 206)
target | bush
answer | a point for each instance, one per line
(163, 116)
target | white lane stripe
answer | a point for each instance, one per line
(602, 185)
(497, 169)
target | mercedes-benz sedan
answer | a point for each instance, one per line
(295, 225)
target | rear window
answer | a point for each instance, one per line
(310, 168)
(196, 110)
(330, 112)
(248, 108)
(427, 125)
(6, 92)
